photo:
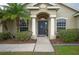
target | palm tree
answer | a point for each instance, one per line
(13, 12)
(2, 16)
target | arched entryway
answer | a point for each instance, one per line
(42, 19)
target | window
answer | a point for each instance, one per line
(23, 25)
(61, 24)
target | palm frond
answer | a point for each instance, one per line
(14, 10)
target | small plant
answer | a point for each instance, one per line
(23, 35)
(69, 35)
(5, 35)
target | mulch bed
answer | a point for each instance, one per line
(60, 41)
(17, 41)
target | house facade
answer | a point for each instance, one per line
(47, 19)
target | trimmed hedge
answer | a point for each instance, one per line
(69, 35)
(5, 35)
(23, 35)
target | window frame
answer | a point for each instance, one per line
(62, 23)
(23, 26)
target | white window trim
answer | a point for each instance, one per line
(61, 18)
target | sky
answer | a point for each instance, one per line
(73, 5)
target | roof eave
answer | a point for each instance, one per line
(75, 15)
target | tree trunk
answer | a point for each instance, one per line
(17, 23)
(5, 25)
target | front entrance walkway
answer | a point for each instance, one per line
(43, 45)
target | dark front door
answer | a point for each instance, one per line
(42, 27)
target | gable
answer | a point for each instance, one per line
(47, 4)
(62, 10)
(38, 4)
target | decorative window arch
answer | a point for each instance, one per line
(61, 23)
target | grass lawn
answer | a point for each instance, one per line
(66, 50)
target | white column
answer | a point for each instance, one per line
(33, 28)
(52, 28)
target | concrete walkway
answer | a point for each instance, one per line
(16, 47)
(43, 45)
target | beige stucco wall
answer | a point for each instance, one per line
(77, 22)
(1, 28)
(30, 26)
(11, 27)
(67, 13)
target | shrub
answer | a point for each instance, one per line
(69, 35)
(23, 35)
(5, 35)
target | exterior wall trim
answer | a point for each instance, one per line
(52, 16)
(47, 8)
(33, 8)
(53, 7)
(62, 18)
(33, 16)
